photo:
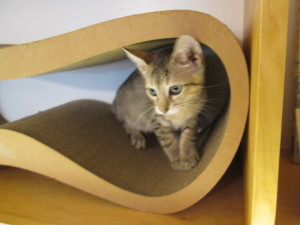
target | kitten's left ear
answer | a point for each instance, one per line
(140, 58)
(187, 52)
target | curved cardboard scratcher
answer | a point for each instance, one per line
(82, 144)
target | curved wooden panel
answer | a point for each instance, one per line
(24, 148)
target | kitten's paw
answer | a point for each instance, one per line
(138, 141)
(187, 163)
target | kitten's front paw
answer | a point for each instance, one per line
(187, 163)
(138, 141)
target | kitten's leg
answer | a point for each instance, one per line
(137, 139)
(167, 139)
(189, 155)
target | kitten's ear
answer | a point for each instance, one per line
(187, 52)
(140, 58)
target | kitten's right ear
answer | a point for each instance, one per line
(187, 53)
(140, 58)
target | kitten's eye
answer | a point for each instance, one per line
(175, 90)
(152, 91)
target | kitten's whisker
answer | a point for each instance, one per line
(190, 107)
(210, 110)
(196, 106)
(143, 114)
(211, 100)
(215, 85)
(149, 121)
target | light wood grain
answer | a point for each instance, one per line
(30, 199)
(268, 53)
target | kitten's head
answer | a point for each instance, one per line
(174, 79)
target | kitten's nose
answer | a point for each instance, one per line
(162, 110)
(165, 109)
(163, 105)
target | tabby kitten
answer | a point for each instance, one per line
(165, 96)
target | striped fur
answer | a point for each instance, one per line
(165, 96)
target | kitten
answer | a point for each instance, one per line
(165, 96)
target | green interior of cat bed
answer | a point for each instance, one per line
(87, 132)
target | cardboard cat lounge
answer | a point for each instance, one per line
(82, 144)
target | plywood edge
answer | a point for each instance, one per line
(80, 46)
(21, 151)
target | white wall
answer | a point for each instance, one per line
(32, 20)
